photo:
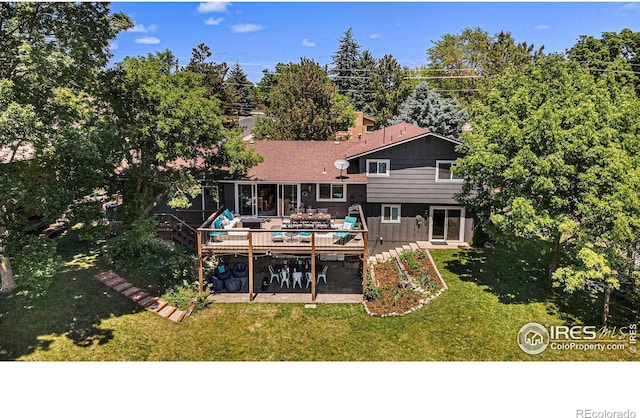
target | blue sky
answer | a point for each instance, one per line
(260, 34)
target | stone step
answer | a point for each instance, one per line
(423, 244)
(167, 311)
(122, 286)
(131, 291)
(372, 259)
(157, 305)
(393, 253)
(103, 277)
(177, 315)
(386, 255)
(147, 301)
(414, 246)
(406, 247)
(115, 281)
(138, 296)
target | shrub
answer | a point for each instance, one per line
(423, 279)
(371, 291)
(152, 257)
(187, 296)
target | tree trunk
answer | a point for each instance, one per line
(605, 311)
(8, 284)
(553, 264)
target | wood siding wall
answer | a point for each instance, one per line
(412, 176)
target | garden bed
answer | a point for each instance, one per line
(398, 287)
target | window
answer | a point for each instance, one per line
(444, 172)
(391, 214)
(378, 168)
(370, 128)
(331, 192)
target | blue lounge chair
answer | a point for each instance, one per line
(348, 225)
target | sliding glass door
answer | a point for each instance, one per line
(287, 199)
(446, 224)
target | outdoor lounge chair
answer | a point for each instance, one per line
(277, 236)
(348, 224)
(305, 236)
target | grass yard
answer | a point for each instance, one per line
(492, 293)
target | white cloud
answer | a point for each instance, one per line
(543, 27)
(140, 28)
(630, 6)
(213, 6)
(246, 27)
(113, 45)
(212, 21)
(375, 36)
(308, 43)
(147, 40)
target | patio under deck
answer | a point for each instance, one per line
(344, 285)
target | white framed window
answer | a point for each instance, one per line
(331, 192)
(444, 172)
(378, 168)
(390, 214)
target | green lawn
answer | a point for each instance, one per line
(492, 293)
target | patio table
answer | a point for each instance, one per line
(316, 219)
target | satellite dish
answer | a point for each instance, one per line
(341, 165)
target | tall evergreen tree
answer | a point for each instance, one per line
(344, 69)
(428, 109)
(390, 88)
(363, 93)
(239, 90)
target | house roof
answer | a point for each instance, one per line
(312, 161)
(301, 161)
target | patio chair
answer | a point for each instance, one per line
(346, 226)
(297, 278)
(323, 274)
(273, 274)
(216, 235)
(277, 236)
(309, 278)
(284, 278)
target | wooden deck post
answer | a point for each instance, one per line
(250, 266)
(365, 260)
(200, 273)
(313, 266)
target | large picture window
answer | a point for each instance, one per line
(331, 192)
(378, 168)
(444, 172)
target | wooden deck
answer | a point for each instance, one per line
(262, 240)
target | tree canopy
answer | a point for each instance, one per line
(304, 105)
(555, 155)
(344, 70)
(169, 124)
(428, 109)
(240, 91)
(389, 87)
(466, 63)
(55, 139)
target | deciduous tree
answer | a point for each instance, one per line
(554, 155)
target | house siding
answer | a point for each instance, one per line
(412, 176)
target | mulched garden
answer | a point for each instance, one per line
(391, 292)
